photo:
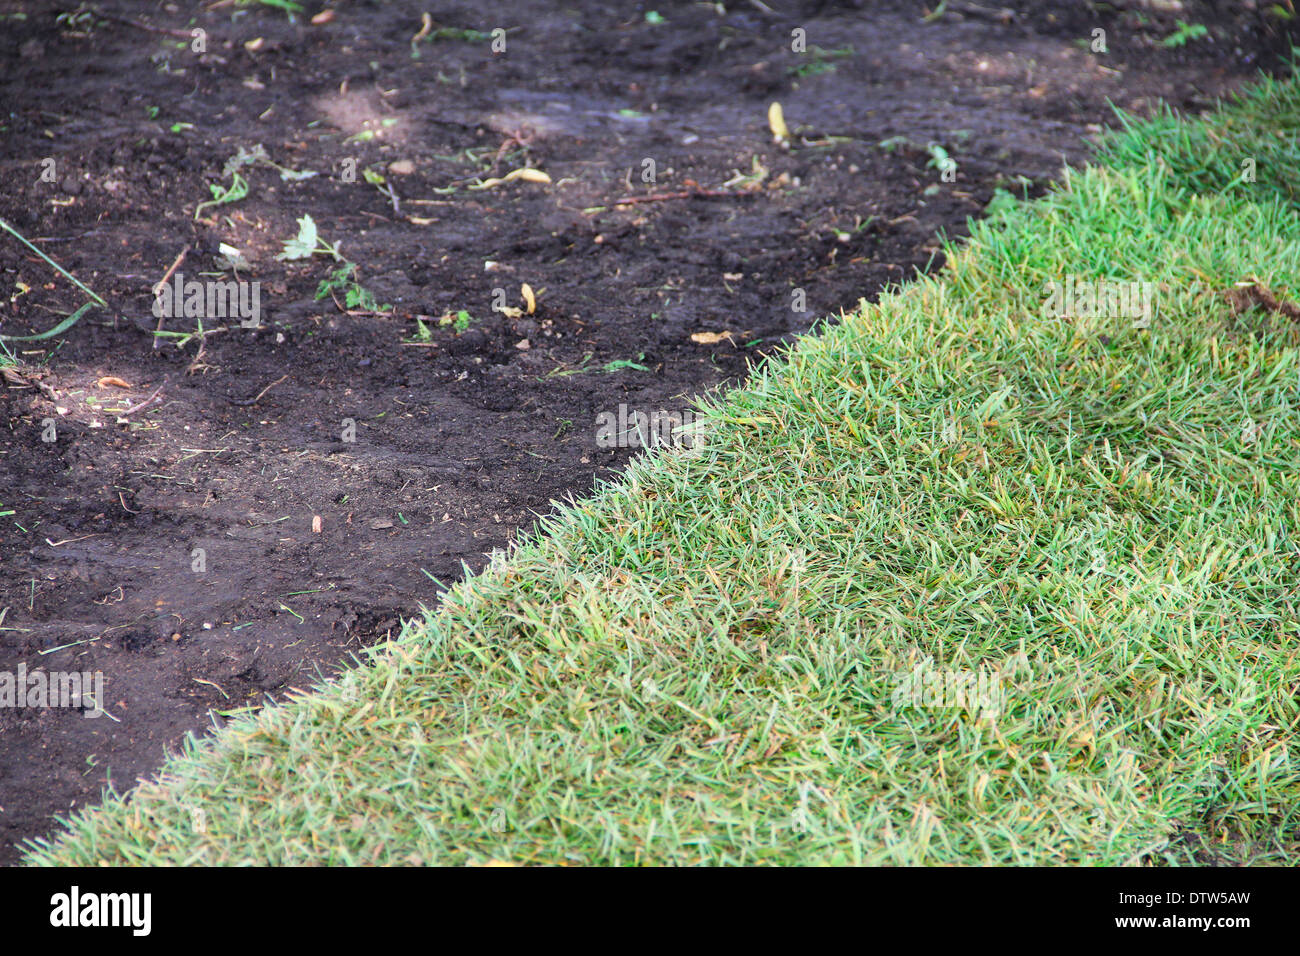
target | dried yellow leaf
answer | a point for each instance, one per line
(526, 173)
(710, 338)
(426, 24)
(776, 121)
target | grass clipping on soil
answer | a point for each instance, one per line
(702, 663)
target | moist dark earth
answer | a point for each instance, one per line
(212, 522)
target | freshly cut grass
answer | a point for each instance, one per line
(707, 661)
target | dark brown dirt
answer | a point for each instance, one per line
(467, 434)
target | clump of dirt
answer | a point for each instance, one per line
(1243, 298)
(209, 511)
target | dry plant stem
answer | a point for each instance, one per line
(684, 194)
(162, 282)
(244, 402)
(148, 401)
(165, 31)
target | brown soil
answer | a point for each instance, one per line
(467, 434)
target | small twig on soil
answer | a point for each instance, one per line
(200, 680)
(997, 14)
(198, 362)
(179, 34)
(162, 282)
(521, 137)
(99, 708)
(346, 311)
(148, 401)
(51, 650)
(46, 390)
(55, 544)
(684, 194)
(14, 379)
(244, 402)
(171, 270)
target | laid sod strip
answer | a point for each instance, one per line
(748, 653)
(1249, 149)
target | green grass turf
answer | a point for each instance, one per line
(708, 660)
